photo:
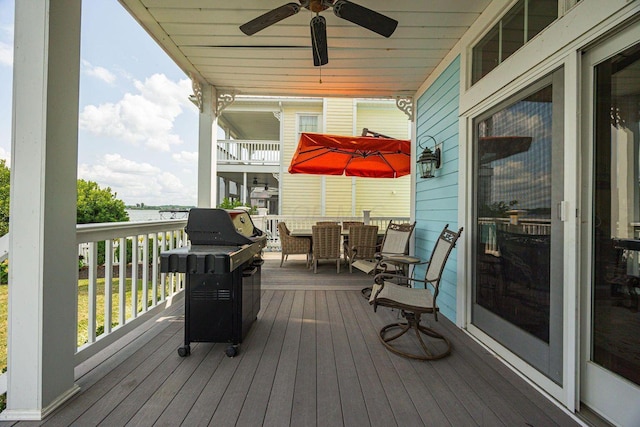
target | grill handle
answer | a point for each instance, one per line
(249, 271)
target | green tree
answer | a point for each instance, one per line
(97, 204)
(4, 197)
(230, 204)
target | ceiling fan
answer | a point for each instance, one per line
(344, 9)
(256, 183)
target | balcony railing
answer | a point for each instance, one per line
(249, 152)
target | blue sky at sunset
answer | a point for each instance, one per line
(138, 130)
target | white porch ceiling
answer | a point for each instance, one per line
(203, 38)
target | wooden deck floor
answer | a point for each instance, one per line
(312, 359)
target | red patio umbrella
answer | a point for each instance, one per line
(364, 156)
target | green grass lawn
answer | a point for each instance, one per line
(83, 309)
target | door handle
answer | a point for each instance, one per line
(563, 208)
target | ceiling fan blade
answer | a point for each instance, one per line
(270, 18)
(367, 18)
(319, 40)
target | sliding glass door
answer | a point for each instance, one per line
(518, 236)
(611, 314)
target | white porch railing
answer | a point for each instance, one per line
(4, 247)
(136, 280)
(249, 152)
(152, 294)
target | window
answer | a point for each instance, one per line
(520, 24)
(308, 123)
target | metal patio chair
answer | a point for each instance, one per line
(395, 243)
(414, 302)
(361, 244)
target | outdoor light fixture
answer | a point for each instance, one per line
(429, 160)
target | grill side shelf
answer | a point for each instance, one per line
(207, 258)
(179, 261)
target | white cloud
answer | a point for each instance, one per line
(188, 157)
(98, 72)
(6, 54)
(5, 155)
(136, 182)
(146, 117)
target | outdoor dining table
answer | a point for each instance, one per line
(306, 232)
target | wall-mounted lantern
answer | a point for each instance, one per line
(429, 160)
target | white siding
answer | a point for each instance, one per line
(339, 121)
(300, 194)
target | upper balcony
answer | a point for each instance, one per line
(248, 153)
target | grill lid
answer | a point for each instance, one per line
(221, 227)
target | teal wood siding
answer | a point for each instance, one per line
(437, 198)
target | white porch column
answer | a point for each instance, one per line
(244, 192)
(43, 250)
(207, 152)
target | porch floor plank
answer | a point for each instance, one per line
(354, 408)
(257, 400)
(378, 405)
(280, 404)
(304, 409)
(313, 358)
(329, 411)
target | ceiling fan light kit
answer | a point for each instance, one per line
(344, 9)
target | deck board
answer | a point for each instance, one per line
(304, 409)
(313, 359)
(257, 399)
(328, 397)
(278, 411)
(354, 408)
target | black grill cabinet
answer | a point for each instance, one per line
(222, 266)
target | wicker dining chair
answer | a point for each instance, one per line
(361, 244)
(346, 225)
(413, 302)
(326, 244)
(291, 245)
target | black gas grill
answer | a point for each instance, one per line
(222, 266)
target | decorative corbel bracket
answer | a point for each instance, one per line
(224, 99)
(405, 104)
(196, 98)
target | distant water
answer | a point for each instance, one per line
(153, 215)
(143, 215)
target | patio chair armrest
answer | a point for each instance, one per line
(380, 277)
(376, 289)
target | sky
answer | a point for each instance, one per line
(138, 132)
